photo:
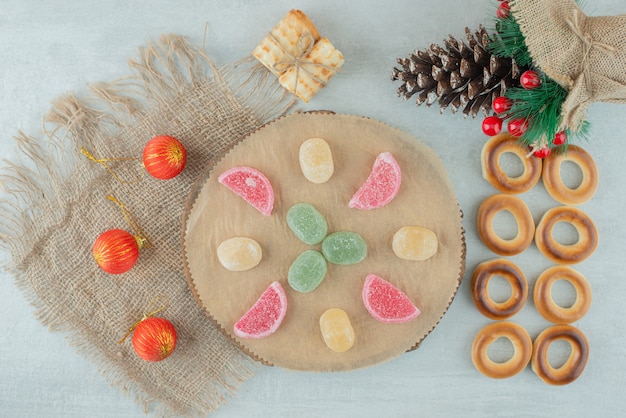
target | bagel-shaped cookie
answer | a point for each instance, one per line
(480, 288)
(575, 363)
(546, 305)
(554, 183)
(522, 349)
(492, 171)
(489, 208)
(566, 253)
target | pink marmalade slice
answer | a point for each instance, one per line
(385, 302)
(381, 186)
(265, 316)
(252, 186)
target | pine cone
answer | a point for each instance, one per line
(461, 75)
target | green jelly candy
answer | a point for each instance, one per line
(344, 248)
(307, 223)
(307, 271)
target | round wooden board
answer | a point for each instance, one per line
(426, 198)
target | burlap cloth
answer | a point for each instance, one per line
(57, 207)
(585, 55)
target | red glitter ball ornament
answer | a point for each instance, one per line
(517, 127)
(492, 125)
(164, 157)
(154, 339)
(530, 79)
(501, 104)
(560, 138)
(116, 251)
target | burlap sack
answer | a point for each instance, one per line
(59, 207)
(585, 55)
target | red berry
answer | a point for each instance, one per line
(530, 80)
(517, 127)
(501, 104)
(542, 152)
(503, 10)
(492, 125)
(560, 138)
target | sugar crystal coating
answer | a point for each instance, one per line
(251, 185)
(307, 223)
(381, 186)
(414, 243)
(337, 330)
(265, 315)
(344, 247)
(307, 271)
(239, 253)
(316, 160)
(385, 302)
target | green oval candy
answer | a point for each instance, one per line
(344, 247)
(307, 223)
(307, 271)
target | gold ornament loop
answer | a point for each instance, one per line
(140, 235)
(104, 162)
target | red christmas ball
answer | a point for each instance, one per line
(542, 152)
(501, 104)
(530, 79)
(116, 251)
(560, 138)
(503, 10)
(492, 125)
(164, 157)
(154, 339)
(517, 127)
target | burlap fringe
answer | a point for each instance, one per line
(43, 189)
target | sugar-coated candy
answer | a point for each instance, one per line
(381, 186)
(344, 247)
(316, 160)
(414, 243)
(337, 330)
(307, 223)
(239, 253)
(307, 271)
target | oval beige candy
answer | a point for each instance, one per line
(316, 160)
(414, 243)
(239, 253)
(337, 330)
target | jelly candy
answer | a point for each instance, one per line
(307, 271)
(239, 253)
(385, 302)
(265, 316)
(381, 186)
(316, 160)
(337, 330)
(344, 247)
(252, 185)
(414, 243)
(307, 223)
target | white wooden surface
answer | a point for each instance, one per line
(50, 48)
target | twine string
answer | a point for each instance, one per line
(589, 43)
(104, 162)
(132, 222)
(305, 44)
(156, 305)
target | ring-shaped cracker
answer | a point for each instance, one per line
(575, 363)
(546, 305)
(522, 349)
(554, 183)
(489, 208)
(566, 253)
(493, 149)
(480, 288)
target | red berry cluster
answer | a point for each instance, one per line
(503, 10)
(492, 125)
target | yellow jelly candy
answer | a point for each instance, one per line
(239, 253)
(337, 330)
(414, 243)
(316, 160)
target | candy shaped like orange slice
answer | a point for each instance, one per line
(252, 186)
(381, 186)
(386, 303)
(265, 316)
